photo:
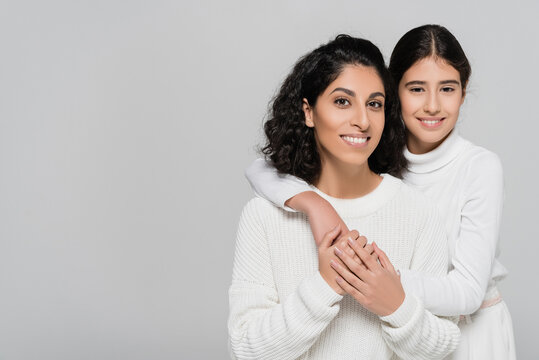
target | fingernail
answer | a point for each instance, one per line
(339, 280)
(333, 264)
(338, 251)
(351, 241)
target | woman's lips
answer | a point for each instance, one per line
(355, 140)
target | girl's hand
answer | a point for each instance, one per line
(325, 257)
(326, 254)
(374, 285)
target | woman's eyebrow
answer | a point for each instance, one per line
(344, 90)
(376, 94)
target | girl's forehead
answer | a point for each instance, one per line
(431, 67)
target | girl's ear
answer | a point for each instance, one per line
(308, 111)
(463, 95)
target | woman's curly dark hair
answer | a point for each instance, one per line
(291, 145)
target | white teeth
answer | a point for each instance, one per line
(355, 140)
(430, 122)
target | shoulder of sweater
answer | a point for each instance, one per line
(479, 161)
(258, 203)
(260, 207)
(417, 204)
(414, 197)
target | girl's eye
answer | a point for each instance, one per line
(342, 102)
(375, 104)
(448, 89)
(416, 89)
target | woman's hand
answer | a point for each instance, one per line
(342, 243)
(374, 285)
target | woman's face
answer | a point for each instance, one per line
(431, 95)
(348, 118)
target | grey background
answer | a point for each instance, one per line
(124, 131)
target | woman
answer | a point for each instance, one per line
(334, 124)
(432, 72)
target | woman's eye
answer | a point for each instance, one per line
(375, 104)
(448, 89)
(416, 89)
(342, 102)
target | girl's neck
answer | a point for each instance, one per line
(346, 181)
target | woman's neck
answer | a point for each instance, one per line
(347, 181)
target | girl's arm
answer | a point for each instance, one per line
(462, 291)
(322, 216)
(291, 193)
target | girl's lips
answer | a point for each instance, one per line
(355, 140)
(431, 122)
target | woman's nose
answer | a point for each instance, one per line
(361, 119)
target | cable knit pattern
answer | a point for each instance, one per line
(281, 308)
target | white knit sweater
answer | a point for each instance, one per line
(466, 182)
(281, 308)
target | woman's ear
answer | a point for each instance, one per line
(308, 111)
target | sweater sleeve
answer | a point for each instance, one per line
(272, 186)
(462, 291)
(260, 324)
(412, 332)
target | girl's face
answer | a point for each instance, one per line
(348, 118)
(431, 95)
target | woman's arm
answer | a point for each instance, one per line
(261, 325)
(290, 193)
(462, 291)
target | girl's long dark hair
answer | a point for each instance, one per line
(426, 41)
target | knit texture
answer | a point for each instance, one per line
(466, 183)
(281, 308)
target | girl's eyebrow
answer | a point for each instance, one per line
(449, 82)
(443, 82)
(415, 82)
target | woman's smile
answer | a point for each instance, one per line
(356, 140)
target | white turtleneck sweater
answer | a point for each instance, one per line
(466, 183)
(281, 308)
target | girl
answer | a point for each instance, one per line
(432, 71)
(334, 125)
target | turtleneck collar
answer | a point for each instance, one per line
(365, 205)
(433, 160)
